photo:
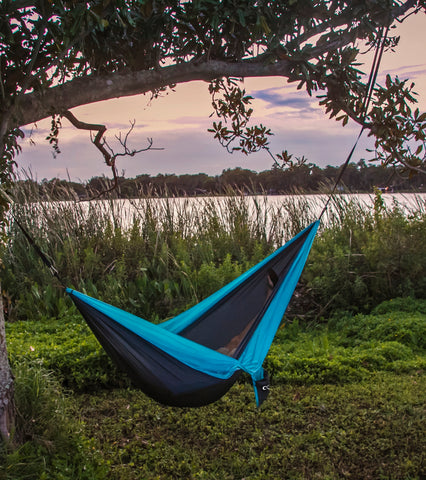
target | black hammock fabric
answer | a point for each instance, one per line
(194, 359)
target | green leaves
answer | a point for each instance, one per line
(231, 104)
(400, 133)
(51, 43)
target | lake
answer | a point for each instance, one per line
(273, 204)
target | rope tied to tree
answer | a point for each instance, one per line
(366, 102)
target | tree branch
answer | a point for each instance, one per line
(35, 106)
(101, 144)
(101, 129)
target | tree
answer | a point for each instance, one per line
(58, 55)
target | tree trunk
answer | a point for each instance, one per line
(6, 384)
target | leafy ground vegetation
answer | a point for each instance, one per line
(348, 388)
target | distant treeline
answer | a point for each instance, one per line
(357, 178)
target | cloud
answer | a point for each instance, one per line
(411, 72)
(280, 97)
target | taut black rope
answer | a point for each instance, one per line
(38, 250)
(367, 99)
(32, 241)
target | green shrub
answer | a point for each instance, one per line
(346, 350)
(406, 328)
(366, 256)
(406, 304)
(349, 348)
(51, 445)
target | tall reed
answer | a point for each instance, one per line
(153, 256)
(156, 256)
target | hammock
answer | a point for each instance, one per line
(195, 358)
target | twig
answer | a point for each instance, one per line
(101, 144)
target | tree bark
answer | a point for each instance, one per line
(34, 106)
(6, 385)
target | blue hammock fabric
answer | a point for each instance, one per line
(195, 358)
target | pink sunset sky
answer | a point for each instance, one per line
(178, 124)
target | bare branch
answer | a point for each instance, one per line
(131, 153)
(101, 129)
(101, 144)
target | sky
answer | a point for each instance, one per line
(177, 124)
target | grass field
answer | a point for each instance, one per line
(347, 401)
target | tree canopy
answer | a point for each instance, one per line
(59, 55)
(361, 177)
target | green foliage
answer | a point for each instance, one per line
(406, 328)
(51, 444)
(156, 256)
(400, 133)
(347, 349)
(366, 256)
(350, 348)
(407, 304)
(153, 257)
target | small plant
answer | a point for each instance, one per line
(51, 445)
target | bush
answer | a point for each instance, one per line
(367, 256)
(51, 446)
(350, 348)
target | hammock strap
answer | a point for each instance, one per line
(31, 240)
(367, 99)
(38, 250)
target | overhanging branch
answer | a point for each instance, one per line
(109, 155)
(95, 88)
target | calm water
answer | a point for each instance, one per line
(314, 203)
(289, 209)
(279, 217)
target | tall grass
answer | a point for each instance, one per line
(157, 256)
(48, 441)
(153, 256)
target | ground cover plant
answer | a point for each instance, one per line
(346, 402)
(347, 366)
(365, 430)
(343, 350)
